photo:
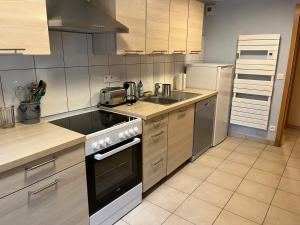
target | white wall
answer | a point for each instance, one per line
(236, 17)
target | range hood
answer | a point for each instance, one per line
(81, 16)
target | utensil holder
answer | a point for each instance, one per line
(30, 112)
(7, 117)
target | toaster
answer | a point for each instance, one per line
(112, 96)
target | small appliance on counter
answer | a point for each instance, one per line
(180, 81)
(112, 96)
(166, 89)
(131, 92)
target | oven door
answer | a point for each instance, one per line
(112, 172)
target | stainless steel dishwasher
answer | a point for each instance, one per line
(203, 126)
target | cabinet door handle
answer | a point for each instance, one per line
(195, 52)
(31, 193)
(157, 135)
(159, 51)
(133, 52)
(15, 50)
(179, 51)
(158, 162)
(53, 160)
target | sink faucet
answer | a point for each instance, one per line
(156, 89)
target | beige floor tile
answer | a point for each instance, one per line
(219, 152)
(292, 173)
(287, 201)
(283, 150)
(269, 166)
(234, 168)
(253, 144)
(208, 160)
(230, 143)
(295, 154)
(248, 208)
(277, 216)
(198, 171)
(288, 138)
(263, 177)
(292, 131)
(147, 214)
(225, 180)
(289, 185)
(252, 151)
(167, 197)
(236, 140)
(120, 222)
(274, 157)
(183, 182)
(228, 218)
(176, 220)
(213, 194)
(198, 211)
(242, 158)
(294, 162)
(256, 190)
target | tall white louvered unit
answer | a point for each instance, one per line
(254, 80)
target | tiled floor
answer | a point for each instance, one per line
(239, 182)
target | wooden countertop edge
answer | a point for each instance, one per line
(19, 162)
(167, 110)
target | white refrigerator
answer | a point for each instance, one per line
(217, 77)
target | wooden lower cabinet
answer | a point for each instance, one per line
(60, 199)
(180, 137)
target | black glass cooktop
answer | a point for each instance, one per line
(91, 122)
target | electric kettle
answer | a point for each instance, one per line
(131, 91)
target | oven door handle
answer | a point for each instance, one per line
(100, 156)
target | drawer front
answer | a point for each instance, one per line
(154, 170)
(155, 142)
(180, 137)
(151, 126)
(60, 199)
(37, 170)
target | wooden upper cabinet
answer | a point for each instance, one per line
(24, 27)
(132, 13)
(178, 26)
(157, 26)
(195, 26)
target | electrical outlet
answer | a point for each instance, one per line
(272, 128)
(111, 78)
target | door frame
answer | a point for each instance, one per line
(289, 78)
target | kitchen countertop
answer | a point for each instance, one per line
(25, 143)
(147, 110)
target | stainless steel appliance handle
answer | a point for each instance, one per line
(100, 156)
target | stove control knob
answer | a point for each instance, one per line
(102, 144)
(127, 135)
(136, 130)
(95, 146)
(108, 141)
(131, 132)
(122, 136)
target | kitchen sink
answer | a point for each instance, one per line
(175, 97)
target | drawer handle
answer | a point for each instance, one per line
(31, 193)
(159, 51)
(157, 135)
(157, 119)
(42, 164)
(158, 162)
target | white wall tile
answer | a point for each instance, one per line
(179, 67)
(169, 58)
(133, 72)
(55, 100)
(120, 72)
(56, 57)
(147, 76)
(169, 73)
(158, 72)
(147, 59)
(95, 59)
(178, 57)
(158, 58)
(75, 49)
(116, 60)
(1, 95)
(18, 62)
(132, 59)
(97, 74)
(12, 79)
(78, 88)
